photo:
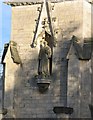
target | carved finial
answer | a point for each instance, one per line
(74, 38)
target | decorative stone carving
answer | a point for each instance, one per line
(44, 31)
(14, 4)
(54, 19)
(43, 77)
(43, 84)
(14, 52)
(83, 52)
(44, 55)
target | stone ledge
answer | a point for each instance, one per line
(14, 4)
(62, 109)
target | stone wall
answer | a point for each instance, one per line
(87, 15)
(92, 53)
(9, 78)
(25, 99)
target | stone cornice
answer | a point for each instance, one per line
(14, 4)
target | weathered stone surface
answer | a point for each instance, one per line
(85, 82)
(73, 84)
(70, 79)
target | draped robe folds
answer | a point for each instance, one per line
(44, 55)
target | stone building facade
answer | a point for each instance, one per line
(67, 90)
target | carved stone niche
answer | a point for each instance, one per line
(43, 85)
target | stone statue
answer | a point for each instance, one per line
(44, 55)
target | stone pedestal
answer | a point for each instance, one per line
(43, 84)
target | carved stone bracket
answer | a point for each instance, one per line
(62, 109)
(83, 52)
(43, 84)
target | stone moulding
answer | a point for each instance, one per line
(62, 109)
(85, 52)
(14, 4)
(14, 52)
